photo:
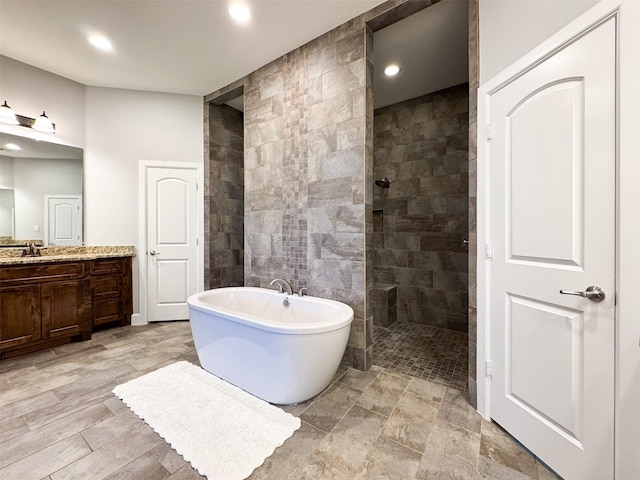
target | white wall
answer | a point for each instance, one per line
(511, 28)
(33, 178)
(122, 128)
(117, 129)
(29, 91)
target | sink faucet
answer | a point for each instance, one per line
(282, 284)
(32, 251)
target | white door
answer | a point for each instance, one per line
(552, 159)
(172, 228)
(63, 220)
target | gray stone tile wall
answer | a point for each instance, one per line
(421, 145)
(305, 122)
(225, 197)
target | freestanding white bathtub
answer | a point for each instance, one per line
(281, 353)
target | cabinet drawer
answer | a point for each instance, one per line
(108, 265)
(107, 311)
(42, 272)
(106, 287)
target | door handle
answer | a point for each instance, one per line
(593, 293)
(153, 252)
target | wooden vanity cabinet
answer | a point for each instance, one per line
(42, 305)
(46, 304)
(111, 302)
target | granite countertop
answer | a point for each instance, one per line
(12, 256)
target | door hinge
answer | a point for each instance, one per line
(488, 367)
(488, 132)
(487, 250)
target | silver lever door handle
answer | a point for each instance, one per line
(593, 293)
(153, 252)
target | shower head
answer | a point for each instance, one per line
(383, 182)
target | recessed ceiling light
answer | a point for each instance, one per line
(101, 42)
(392, 70)
(240, 12)
(12, 146)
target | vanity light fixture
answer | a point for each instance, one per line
(7, 116)
(42, 123)
(392, 70)
(240, 12)
(12, 146)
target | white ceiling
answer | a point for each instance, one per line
(194, 47)
(429, 46)
(175, 46)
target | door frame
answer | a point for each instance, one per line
(143, 168)
(627, 228)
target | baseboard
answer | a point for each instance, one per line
(137, 320)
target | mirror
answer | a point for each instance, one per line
(41, 188)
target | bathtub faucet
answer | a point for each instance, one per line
(282, 284)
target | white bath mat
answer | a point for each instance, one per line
(223, 431)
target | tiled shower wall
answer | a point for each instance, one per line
(421, 146)
(332, 215)
(305, 122)
(226, 199)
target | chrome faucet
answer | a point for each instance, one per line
(302, 292)
(282, 284)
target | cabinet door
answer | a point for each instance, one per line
(19, 315)
(65, 308)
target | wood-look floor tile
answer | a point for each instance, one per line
(43, 416)
(90, 382)
(105, 461)
(46, 461)
(27, 405)
(12, 428)
(111, 428)
(186, 473)
(145, 467)
(41, 438)
(171, 460)
(22, 392)
(383, 394)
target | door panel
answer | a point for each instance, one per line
(171, 238)
(548, 230)
(552, 202)
(64, 220)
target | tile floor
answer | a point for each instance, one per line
(430, 353)
(60, 421)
